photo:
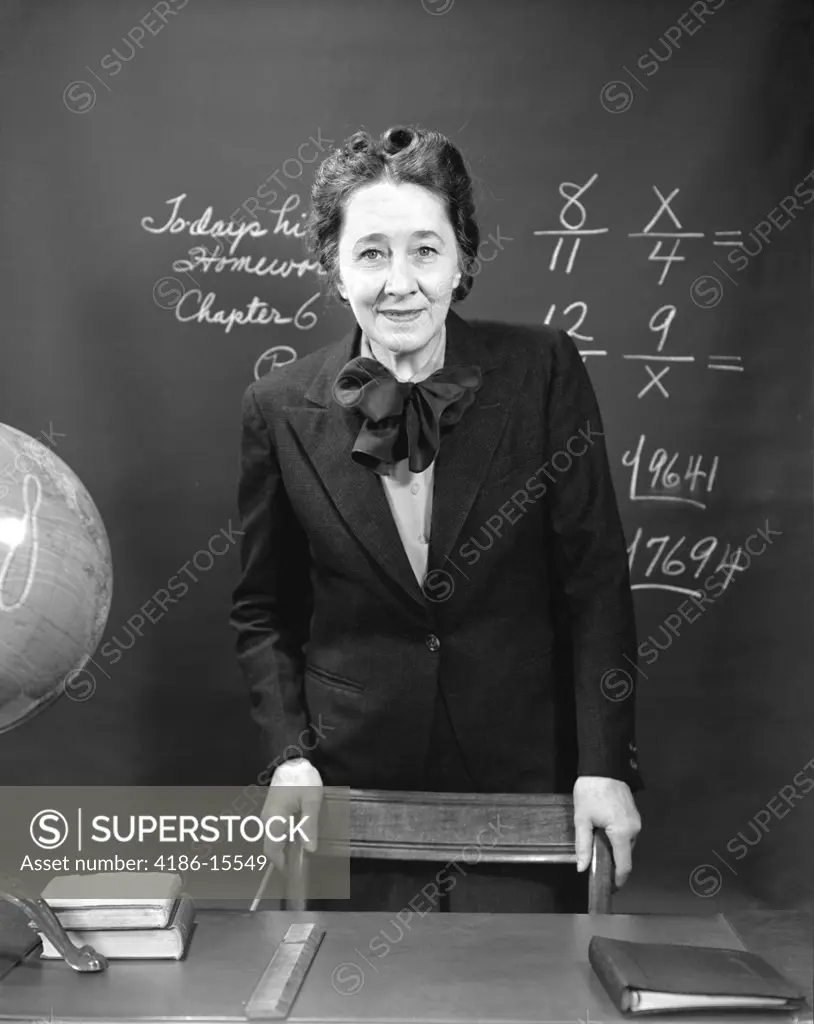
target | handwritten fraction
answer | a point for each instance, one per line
(664, 226)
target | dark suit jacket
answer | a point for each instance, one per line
(525, 618)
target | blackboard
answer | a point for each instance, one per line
(643, 178)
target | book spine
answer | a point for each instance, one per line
(184, 919)
(611, 979)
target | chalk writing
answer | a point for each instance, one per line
(279, 355)
(582, 307)
(573, 218)
(573, 227)
(258, 312)
(725, 363)
(677, 236)
(193, 305)
(201, 259)
(667, 563)
(661, 236)
(660, 322)
(729, 241)
(663, 481)
(219, 229)
(657, 474)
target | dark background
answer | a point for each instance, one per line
(145, 408)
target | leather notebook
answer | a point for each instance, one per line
(665, 977)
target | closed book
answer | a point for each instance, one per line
(664, 977)
(113, 899)
(168, 943)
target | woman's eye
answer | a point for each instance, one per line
(371, 255)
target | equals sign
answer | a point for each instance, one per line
(728, 241)
(728, 363)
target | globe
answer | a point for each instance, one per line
(56, 577)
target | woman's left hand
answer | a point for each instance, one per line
(605, 803)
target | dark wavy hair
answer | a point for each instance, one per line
(401, 155)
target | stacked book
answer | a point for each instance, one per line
(148, 918)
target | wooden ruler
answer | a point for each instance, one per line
(277, 989)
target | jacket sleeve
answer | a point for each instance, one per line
(271, 605)
(592, 561)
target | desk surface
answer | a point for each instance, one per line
(446, 968)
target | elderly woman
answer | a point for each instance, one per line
(435, 590)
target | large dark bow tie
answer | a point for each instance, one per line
(403, 419)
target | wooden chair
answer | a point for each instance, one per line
(466, 828)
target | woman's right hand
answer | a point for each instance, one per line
(295, 791)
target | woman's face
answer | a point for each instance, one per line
(398, 264)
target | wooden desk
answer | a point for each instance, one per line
(443, 968)
(784, 938)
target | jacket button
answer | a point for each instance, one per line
(432, 642)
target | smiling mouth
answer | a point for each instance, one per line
(401, 314)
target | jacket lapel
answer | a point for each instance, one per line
(327, 433)
(466, 450)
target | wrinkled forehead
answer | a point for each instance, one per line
(385, 212)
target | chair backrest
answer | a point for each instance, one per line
(466, 828)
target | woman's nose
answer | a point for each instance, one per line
(400, 278)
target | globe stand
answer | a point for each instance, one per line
(84, 959)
